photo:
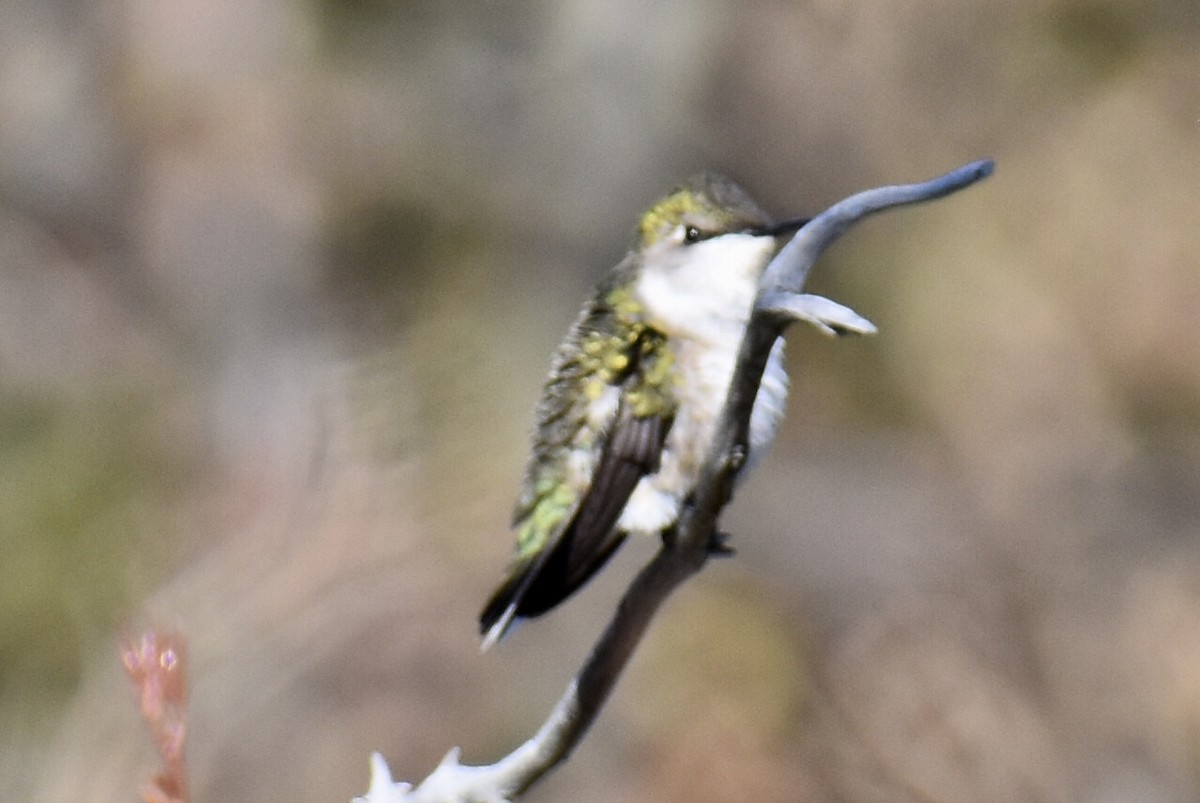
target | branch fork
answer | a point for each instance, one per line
(780, 301)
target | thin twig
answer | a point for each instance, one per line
(779, 302)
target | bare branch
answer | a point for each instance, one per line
(685, 551)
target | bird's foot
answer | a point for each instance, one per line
(718, 545)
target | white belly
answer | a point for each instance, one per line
(706, 373)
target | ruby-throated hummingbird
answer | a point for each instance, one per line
(631, 405)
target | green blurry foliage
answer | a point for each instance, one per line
(1101, 36)
(83, 487)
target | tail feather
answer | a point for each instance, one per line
(501, 609)
(588, 539)
(536, 586)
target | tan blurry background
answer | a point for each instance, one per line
(278, 286)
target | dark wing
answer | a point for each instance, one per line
(631, 451)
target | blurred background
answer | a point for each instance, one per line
(280, 281)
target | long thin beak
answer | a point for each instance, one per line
(785, 227)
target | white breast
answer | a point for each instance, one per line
(703, 307)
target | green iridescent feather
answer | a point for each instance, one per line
(609, 345)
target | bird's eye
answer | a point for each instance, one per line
(691, 234)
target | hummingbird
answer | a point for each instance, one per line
(631, 405)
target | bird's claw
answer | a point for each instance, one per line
(718, 545)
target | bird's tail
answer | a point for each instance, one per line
(538, 584)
